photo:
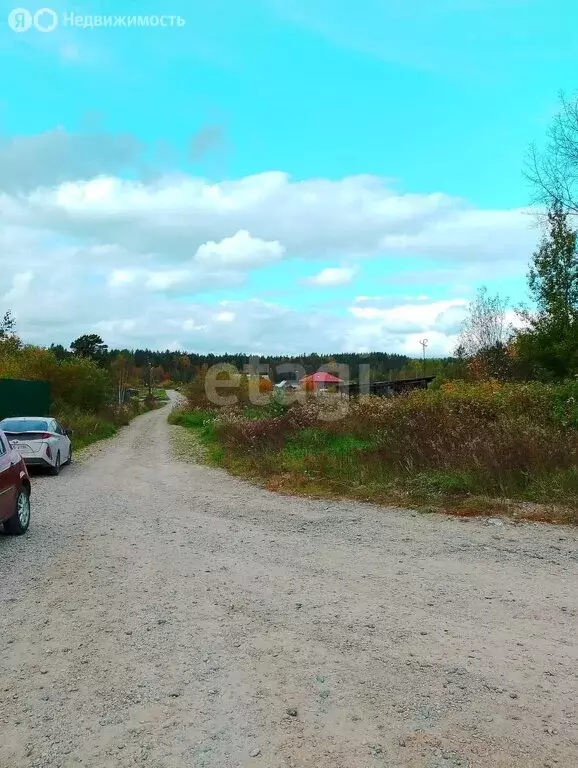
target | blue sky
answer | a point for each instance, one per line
(407, 121)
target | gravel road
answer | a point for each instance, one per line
(164, 614)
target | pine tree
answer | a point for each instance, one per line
(548, 347)
(553, 275)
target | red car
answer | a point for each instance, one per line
(14, 489)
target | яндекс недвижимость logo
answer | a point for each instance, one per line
(46, 20)
(43, 20)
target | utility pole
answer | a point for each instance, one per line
(424, 343)
(150, 376)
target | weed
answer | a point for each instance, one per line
(439, 447)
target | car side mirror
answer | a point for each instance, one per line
(68, 432)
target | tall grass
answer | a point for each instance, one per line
(82, 391)
(89, 427)
(515, 441)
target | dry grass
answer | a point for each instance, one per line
(466, 449)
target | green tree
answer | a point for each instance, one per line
(7, 325)
(81, 383)
(9, 341)
(123, 372)
(553, 275)
(60, 352)
(549, 343)
(90, 345)
(184, 367)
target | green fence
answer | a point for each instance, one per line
(24, 398)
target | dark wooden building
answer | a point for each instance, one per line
(389, 388)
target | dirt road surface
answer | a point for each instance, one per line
(164, 614)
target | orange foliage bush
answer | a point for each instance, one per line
(265, 385)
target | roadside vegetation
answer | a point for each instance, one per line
(471, 448)
(497, 431)
(92, 399)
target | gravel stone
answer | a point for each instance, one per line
(137, 533)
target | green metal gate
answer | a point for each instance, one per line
(19, 397)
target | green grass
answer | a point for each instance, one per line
(274, 407)
(102, 431)
(89, 428)
(466, 452)
(312, 440)
(190, 419)
(202, 423)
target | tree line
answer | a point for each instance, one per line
(181, 367)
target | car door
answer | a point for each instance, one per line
(55, 440)
(8, 477)
(63, 441)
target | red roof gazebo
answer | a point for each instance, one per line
(320, 380)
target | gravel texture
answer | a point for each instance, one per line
(161, 613)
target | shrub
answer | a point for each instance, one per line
(78, 382)
(491, 437)
(265, 386)
(82, 391)
(90, 426)
(81, 383)
(150, 401)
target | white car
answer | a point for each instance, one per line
(42, 442)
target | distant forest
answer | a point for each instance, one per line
(182, 367)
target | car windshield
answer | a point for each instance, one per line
(23, 425)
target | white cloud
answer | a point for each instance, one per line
(163, 279)
(120, 277)
(414, 317)
(333, 276)
(225, 317)
(20, 286)
(259, 219)
(133, 257)
(107, 327)
(241, 251)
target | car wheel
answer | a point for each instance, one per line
(55, 470)
(20, 520)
